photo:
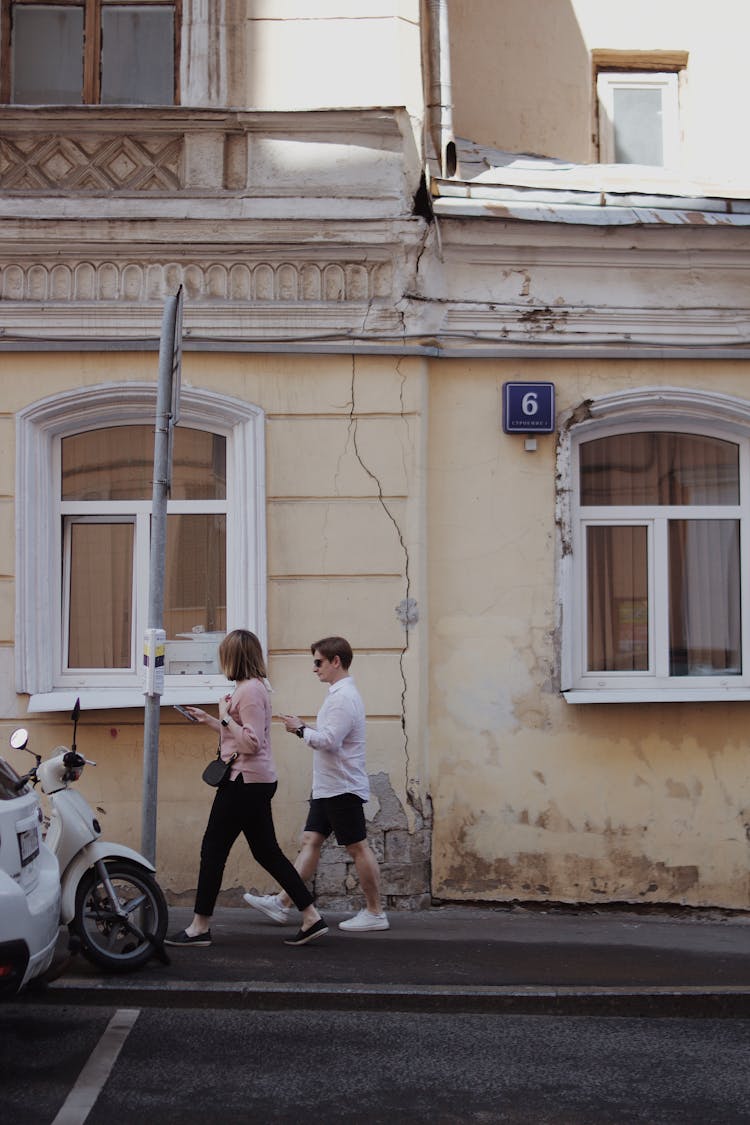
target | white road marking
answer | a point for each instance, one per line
(80, 1101)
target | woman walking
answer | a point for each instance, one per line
(243, 801)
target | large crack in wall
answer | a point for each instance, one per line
(403, 849)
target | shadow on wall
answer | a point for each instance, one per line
(521, 77)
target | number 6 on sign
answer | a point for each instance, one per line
(528, 408)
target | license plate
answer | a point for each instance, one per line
(28, 845)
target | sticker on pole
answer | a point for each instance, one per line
(529, 408)
(154, 642)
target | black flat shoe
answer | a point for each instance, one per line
(183, 938)
(303, 936)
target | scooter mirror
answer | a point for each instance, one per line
(19, 738)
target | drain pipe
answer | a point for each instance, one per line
(440, 95)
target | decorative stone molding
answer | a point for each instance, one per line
(109, 162)
(226, 281)
(108, 153)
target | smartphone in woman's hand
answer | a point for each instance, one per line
(185, 713)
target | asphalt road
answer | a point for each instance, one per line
(378, 1068)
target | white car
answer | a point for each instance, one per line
(29, 887)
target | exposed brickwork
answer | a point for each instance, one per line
(403, 855)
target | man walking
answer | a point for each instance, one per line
(340, 787)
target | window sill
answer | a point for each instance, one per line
(658, 695)
(111, 699)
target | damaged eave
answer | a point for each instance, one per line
(460, 199)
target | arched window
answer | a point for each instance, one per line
(654, 594)
(84, 502)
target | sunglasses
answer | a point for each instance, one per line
(317, 663)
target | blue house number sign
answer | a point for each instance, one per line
(529, 408)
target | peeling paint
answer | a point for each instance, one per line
(551, 819)
(569, 877)
(403, 855)
(546, 318)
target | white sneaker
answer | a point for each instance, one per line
(364, 921)
(270, 906)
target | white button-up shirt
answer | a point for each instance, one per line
(339, 743)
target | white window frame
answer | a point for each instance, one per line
(40, 428)
(607, 81)
(656, 408)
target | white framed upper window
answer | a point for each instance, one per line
(85, 463)
(639, 118)
(654, 589)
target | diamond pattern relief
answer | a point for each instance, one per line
(122, 167)
(57, 167)
(67, 164)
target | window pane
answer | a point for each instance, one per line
(659, 468)
(638, 125)
(199, 465)
(617, 599)
(118, 464)
(101, 591)
(110, 464)
(47, 55)
(704, 609)
(196, 576)
(137, 55)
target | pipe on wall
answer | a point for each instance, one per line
(440, 94)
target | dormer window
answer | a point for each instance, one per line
(639, 119)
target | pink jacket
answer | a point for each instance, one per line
(250, 707)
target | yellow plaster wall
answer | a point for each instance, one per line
(345, 509)
(535, 798)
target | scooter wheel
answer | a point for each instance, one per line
(120, 936)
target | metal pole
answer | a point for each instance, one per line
(165, 397)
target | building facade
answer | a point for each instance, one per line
(387, 220)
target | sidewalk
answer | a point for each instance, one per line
(449, 958)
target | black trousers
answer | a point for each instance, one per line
(246, 808)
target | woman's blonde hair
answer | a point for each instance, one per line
(241, 657)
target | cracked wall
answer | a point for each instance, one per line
(345, 512)
(441, 570)
(536, 799)
(402, 845)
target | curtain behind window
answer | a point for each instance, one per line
(101, 595)
(659, 468)
(703, 565)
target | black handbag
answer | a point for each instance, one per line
(217, 770)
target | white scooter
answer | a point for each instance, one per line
(111, 902)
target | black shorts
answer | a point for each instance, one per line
(344, 815)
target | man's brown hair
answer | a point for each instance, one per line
(334, 646)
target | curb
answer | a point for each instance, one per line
(688, 1002)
